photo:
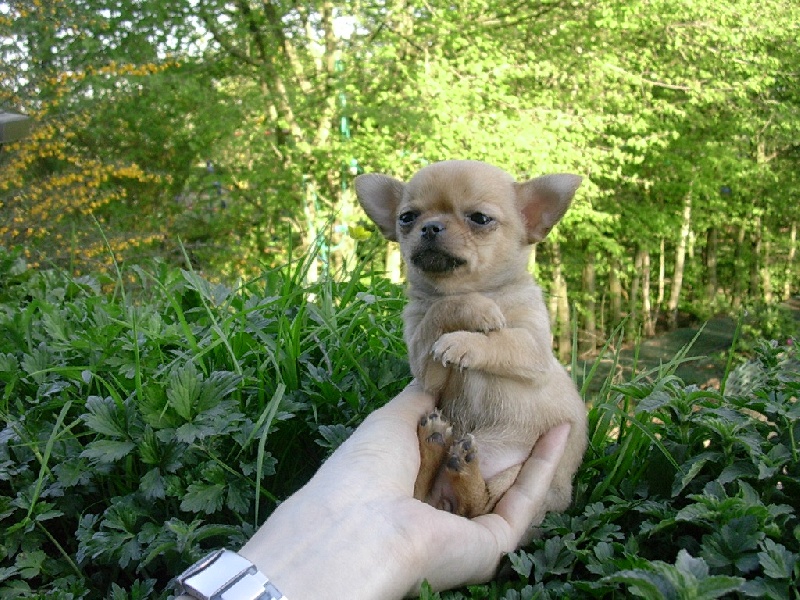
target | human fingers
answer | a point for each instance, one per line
(523, 501)
(462, 551)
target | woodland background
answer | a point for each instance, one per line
(236, 127)
(194, 313)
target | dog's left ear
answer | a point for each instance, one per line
(379, 195)
(543, 201)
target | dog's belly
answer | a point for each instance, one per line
(508, 416)
(495, 457)
(502, 415)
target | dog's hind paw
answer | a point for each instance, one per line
(435, 436)
(463, 490)
(462, 453)
(433, 428)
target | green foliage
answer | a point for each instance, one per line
(154, 416)
(147, 418)
(231, 112)
(685, 493)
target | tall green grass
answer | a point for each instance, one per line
(151, 416)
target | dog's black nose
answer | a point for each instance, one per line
(432, 229)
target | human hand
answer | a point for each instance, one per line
(355, 531)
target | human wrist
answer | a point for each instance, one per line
(226, 575)
(330, 551)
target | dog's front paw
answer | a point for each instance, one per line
(479, 313)
(491, 319)
(456, 349)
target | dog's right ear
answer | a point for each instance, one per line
(380, 196)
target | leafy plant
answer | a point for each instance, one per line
(149, 417)
(153, 416)
(685, 493)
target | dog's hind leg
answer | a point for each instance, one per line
(435, 438)
(460, 488)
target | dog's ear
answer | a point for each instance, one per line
(543, 201)
(380, 195)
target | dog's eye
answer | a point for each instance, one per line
(480, 218)
(407, 218)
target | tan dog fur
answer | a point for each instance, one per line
(476, 326)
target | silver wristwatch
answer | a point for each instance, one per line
(225, 575)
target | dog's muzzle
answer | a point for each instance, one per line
(431, 259)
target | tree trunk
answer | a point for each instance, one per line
(766, 277)
(711, 265)
(680, 263)
(589, 289)
(615, 293)
(311, 238)
(532, 264)
(662, 279)
(632, 328)
(738, 270)
(393, 264)
(647, 312)
(552, 308)
(563, 320)
(342, 244)
(789, 272)
(755, 260)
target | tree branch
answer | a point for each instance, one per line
(225, 44)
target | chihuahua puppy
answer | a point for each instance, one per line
(477, 328)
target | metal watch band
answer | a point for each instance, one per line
(226, 575)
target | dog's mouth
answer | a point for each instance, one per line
(435, 260)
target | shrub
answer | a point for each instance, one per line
(151, 417)
(685, 493)
(142, 428)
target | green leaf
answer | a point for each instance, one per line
(183, 389)
(152, 485)
(776, 560)
(203, 497)
(189, 393)
(8, 363)
(522, 563)
(718, 586)
(72, 472)
(653, 401)
(239, 497)
(104, 417)
(217, 387)
(687, 579)
(689, 470)
(7, 572)
(644, 584)
(733, 544)
(334, 435)
(108, 451)
(30, 564)
(150, 447)
(215, 294)
(554, 558)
